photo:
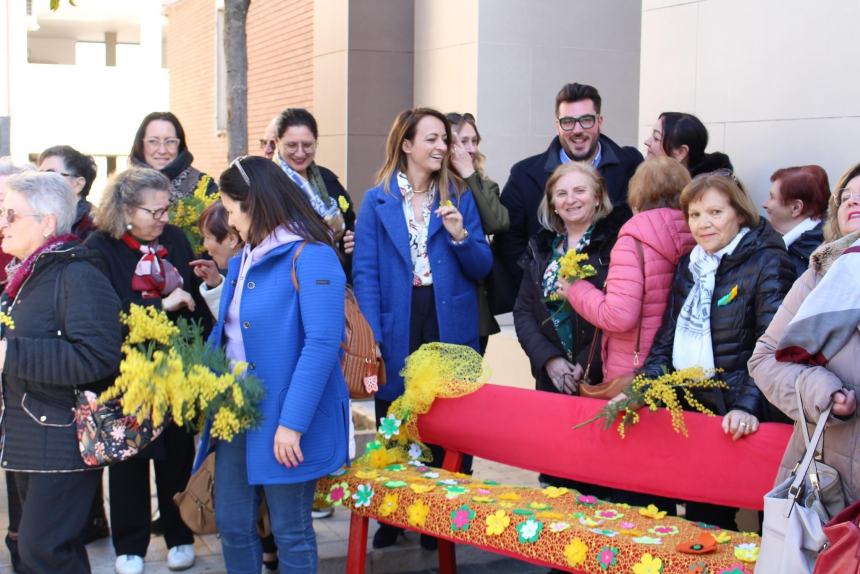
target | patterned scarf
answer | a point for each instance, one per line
(828, 317)
(560, 310)
(20, 271)
(154, 277)
(693, 346)
(322, 203)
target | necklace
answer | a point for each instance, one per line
(420, 190)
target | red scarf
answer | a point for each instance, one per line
(20, 271)
(154, 277)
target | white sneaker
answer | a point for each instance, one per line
(326, 512)
(128, 564)
(181, 557)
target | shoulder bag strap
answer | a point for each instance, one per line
(293, 268)
(795, 491)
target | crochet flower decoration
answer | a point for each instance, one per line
(648, 540)
(497, 522)
(648, 565)
(554, 491)
(461, 518)
(421, 488)
(607, 557)
(529, 531)
(363, 495)
(414, 451)
(651, 511)
(608, 514)
(586, 499)
(559, 526)
(389, 426)
(389, 505)
(416, 513)
(576, 552)
(452, 492)
(664, 530)
(747, 552)
(337, 493)
(721, 537)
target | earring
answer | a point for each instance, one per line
(555, 211)
(128, 226)
(46, 235)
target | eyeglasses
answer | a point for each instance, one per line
(10, 215)
(848, 194)
(587, 122)
(456, 119)
(168, 143)
(238, 163)
(268, 145)
(307, 147)
(156, 213)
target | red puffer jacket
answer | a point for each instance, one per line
(665, 238)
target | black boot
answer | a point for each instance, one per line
(12, 545)
(386, 536)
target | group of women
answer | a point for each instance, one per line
(695, 278)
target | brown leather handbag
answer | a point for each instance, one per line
(610, 389)
(363, 371)
(197, 502)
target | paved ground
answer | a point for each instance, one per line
(510, 367)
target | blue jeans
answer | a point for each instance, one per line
(236, 506)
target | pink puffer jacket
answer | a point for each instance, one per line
(665, 238)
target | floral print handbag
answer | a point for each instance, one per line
(105, 434)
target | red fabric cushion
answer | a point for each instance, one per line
(534, 430)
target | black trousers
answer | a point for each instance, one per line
(423, 328)
(130, 513)
(55, 508)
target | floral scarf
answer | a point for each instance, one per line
(693, 346)
(154, 277)
(20, 271)
(560, 311)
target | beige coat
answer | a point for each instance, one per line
(817, 384)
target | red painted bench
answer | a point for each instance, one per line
(533, 430)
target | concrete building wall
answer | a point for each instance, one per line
(770, 79)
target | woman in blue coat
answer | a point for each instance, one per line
(420, 252)
(291, 342)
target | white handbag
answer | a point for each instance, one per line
(796, 509)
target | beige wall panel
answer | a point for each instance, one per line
(668, 61)
(331, 26)
(758, 149)
(332, 153)
(377, 25)
(330, 74)
(440, 23)
(438, 87)
(505, 102)
(776, 59)
(503, 151)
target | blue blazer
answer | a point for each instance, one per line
(292, 344)
(382, 276)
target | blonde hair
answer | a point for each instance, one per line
(657, 183)
(547, 216)
(124, 191)
(728, 186)
(831, 228)
(403, 129)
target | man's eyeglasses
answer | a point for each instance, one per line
(587, 122)
(268, 145)
(848, 194)
(168, 143)
(155, 213)
(307, 147)
(10, 215)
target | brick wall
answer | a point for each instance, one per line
(280, 70)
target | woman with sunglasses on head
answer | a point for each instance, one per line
(468, 161)
(296, 150)
(160, 144)
(420, 253)
(805, 353)
(148, 263)
(723, 296)
(684, 137)
(284, 316)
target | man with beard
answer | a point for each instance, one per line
(578, 123)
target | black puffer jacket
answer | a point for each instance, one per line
(535, 331)
(763, 273)
(67, 333)
(803, 247)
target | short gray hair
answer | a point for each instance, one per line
(122, 191)
(9, 167)
(48, 194)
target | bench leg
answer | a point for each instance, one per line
(356, 556)
(447, 557)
